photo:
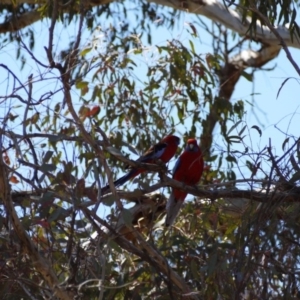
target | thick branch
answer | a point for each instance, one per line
(229, 76)
(212, 9)
(23, 21)
(258, 196)
(218, 12)
(141, 196)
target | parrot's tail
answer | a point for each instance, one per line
(133, 173)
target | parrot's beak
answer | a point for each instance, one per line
(191, 146)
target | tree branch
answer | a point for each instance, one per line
(231, 19)
(23, 21)
(229, 76)
(212, 9)
(258, 196)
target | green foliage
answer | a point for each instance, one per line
(113, 96)
(276, 11)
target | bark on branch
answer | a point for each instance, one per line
(231, 19)
(258, 196)
(212, 9)
(229, 76)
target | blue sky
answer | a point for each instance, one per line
(268, 109)
(277, 117)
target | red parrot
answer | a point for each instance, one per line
(164, 151)
(188, 169)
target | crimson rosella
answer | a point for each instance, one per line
(163, 151)
(188, 169)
